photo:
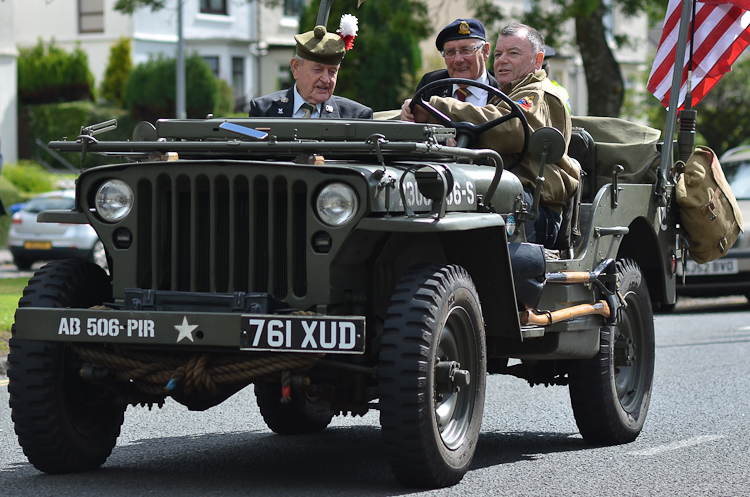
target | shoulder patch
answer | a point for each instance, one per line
(526, 102)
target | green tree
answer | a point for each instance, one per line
(47, 73)
(603, 76)
(150, 89)
(118, 69)
(723, 120)
(380, 71)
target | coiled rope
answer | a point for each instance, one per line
(159, 375)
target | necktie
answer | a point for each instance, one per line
(462, 93)
(307, 109)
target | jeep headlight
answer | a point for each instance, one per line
(114, 199)
(337, 204)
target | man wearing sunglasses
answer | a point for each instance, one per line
(463, 45)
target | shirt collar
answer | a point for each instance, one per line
(479, 95)
(298, 101)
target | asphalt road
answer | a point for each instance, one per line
(695, 442)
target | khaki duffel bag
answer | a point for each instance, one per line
(708, 209)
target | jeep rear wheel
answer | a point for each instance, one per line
(304, 414)
(610, 393)
(432, 376)
(63, 423)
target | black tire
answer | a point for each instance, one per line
(434, 317)
(63, 423)
(304, 414)
(22, 263)
(610, 393)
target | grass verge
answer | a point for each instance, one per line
(11, 290)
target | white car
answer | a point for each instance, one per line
(30, 241)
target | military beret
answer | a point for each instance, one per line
(320, 46)
(460, 29)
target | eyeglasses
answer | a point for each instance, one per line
(465, 52)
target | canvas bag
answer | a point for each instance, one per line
(708, 209)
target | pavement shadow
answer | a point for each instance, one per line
(340, 460)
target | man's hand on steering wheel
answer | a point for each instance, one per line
(468, 133)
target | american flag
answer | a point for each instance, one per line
(721, 34)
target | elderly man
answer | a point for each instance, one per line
(519, 54)
(463, 45)
(315, 68)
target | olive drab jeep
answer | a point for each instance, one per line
(343, 266)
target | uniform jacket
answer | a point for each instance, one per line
(281, 104)
(444, 91)
(543, 106)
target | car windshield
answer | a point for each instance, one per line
(738, 176)
(39, 204)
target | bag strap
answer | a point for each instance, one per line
(711, 207)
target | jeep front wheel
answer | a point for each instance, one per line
(432, 375)
(63, 423)
(610, 392)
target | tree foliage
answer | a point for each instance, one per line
(129, 6)
(47, 73)
(118, 70)
(380, 71)
(723, 120)
(150, 90)
(592, 38)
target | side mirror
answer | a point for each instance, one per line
(547, 145)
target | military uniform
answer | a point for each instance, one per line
(540, 101)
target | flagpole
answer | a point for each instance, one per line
(674, 98)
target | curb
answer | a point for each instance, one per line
(3, 365)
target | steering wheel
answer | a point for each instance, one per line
(467, 133)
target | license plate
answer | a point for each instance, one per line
(38, 245)
(331, 335)
(719, 266)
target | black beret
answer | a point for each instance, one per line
(460, 29)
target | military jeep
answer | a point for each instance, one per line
(342, 266)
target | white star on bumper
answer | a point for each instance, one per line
(185, 330)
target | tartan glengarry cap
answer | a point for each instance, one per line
(320, 46)
(460, 29)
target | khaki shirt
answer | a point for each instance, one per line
(543, 106)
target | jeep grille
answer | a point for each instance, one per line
(222, 233)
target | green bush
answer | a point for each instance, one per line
(54, 121)
(225, 105)
(50, 74)
(151, 87)
(10, 194)
(29, 178)
(118, 70)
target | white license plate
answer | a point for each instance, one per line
(293, 333)
(719, 266)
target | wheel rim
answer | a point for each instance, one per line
(453, 411)
(629, 367)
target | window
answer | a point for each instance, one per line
(238, 83)
(90, 16)
(292, 8)
(238, 76)
(213, 63)
(218, 7)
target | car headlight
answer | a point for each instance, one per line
(337, 204)
(114, 199)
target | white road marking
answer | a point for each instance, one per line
(744, 328)
(676, 445)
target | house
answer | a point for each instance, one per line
(8, 90)
(243, 42)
